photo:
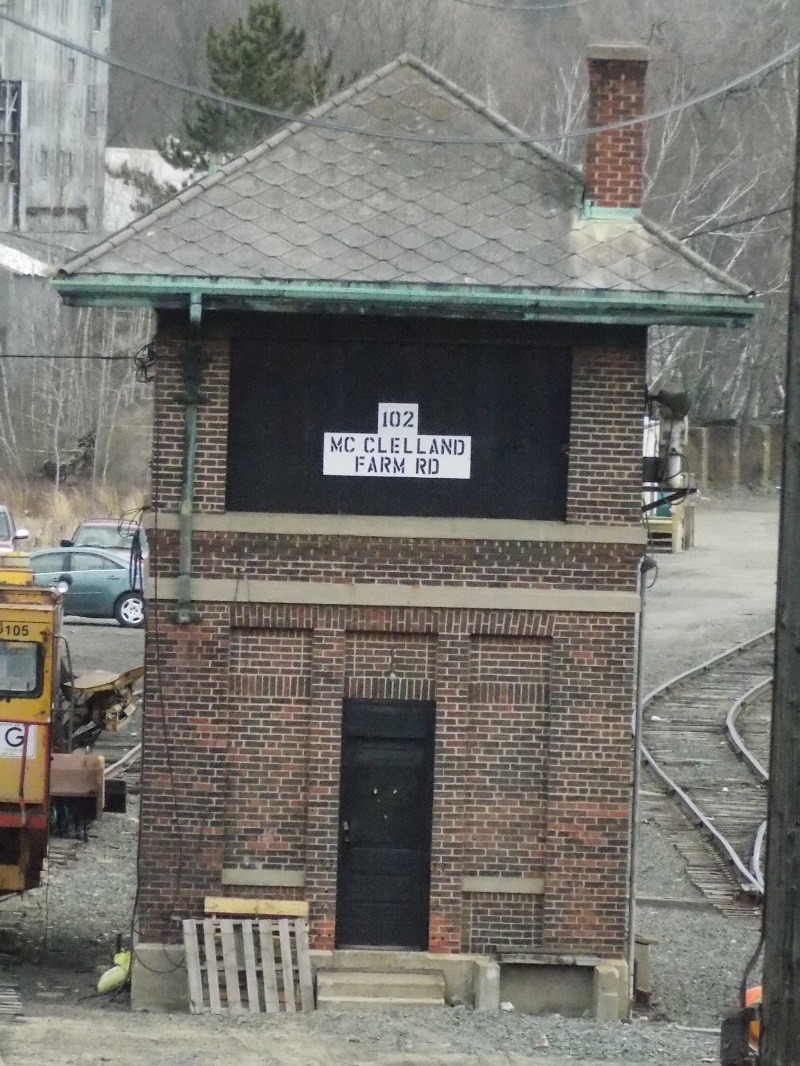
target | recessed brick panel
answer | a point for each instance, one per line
(269, 691)
(506, 759)
(497, 923)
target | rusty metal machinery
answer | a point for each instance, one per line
(95, 702)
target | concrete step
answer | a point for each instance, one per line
(342, 989)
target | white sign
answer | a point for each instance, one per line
(398, 449)
(12, 737)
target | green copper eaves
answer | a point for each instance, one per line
(606, 306)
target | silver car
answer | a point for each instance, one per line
(98, 583)
(10, 536)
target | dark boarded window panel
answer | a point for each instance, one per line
(511, 399)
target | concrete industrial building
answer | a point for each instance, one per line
(53, 111)
(53, 114)
(400, 378)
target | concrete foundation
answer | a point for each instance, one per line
(158, 979)
(724, 457)
(577, 988)
(573, 986)
(755, 457)
(470, 979)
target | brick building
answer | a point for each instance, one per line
(400, 376)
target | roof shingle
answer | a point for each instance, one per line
(313, 203)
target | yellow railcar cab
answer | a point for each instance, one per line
(30, 635)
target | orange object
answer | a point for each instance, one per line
(753, 998)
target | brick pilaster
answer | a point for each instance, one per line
(324, 762)
(452, 716)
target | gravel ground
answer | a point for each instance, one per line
(720, 592)
(446, 1038)
(57, 939)
(705, 600)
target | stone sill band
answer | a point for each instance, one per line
(512, 886)
(455, 597)
(408, 528)
(264, 878)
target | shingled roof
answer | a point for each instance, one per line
(316, 204)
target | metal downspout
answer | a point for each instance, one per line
(646, 564)
(192, 377)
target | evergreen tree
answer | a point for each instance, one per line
(260, 60)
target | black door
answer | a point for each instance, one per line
(385, 824)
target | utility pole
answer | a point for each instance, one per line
(780, 1042)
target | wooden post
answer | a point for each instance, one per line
(781, 1001)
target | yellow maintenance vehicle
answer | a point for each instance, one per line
(44, 715)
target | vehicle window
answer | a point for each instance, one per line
(102, 537)
(5, 527)
(53, 562)
(20, 668)
(90, 561)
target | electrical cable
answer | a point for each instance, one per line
(524, 7)
(735, 222)
(53, 355)
(308, 120)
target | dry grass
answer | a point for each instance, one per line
(50, 514)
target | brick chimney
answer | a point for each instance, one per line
(615, 160)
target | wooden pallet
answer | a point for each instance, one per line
(10, 1002)
(238, 965)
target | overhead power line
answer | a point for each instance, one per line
(57, 355)
(524, 7)
(722, 226)
(338, 127)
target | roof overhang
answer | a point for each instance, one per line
(599, 306)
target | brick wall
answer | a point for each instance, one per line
(269, 692)
(605, 449)
(532, 761)
(404, 561)
(507, 737)
(212, 445)
(495, 922)
(532, 772)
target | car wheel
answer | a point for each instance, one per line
(129, 610)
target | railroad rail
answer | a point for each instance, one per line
(743, 750)
(716, 784)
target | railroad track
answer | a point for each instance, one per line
(695, 747)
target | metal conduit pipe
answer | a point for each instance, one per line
(192, 376)
(645, 565)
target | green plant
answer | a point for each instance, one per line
(262, 60)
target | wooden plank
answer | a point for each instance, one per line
(249, 908)
(304, 965)
(192, 949)
(286, 964)
(231, 967)
(268, 975)
(250, 968)
(212, 976)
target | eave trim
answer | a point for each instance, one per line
(601, 306)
